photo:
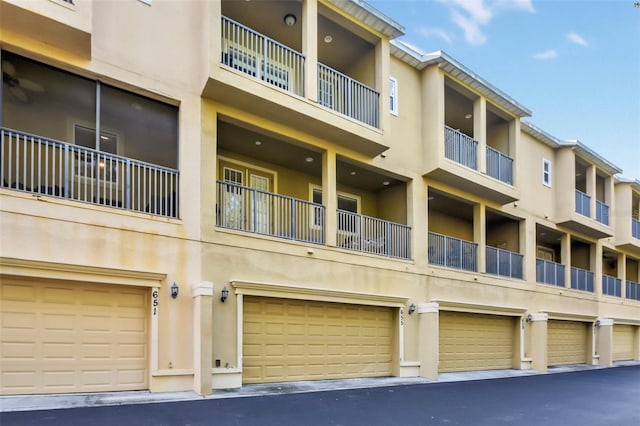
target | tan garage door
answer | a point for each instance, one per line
(566, 342)
(71, 337)
(623, 336)
(475, 342)
(289, 340)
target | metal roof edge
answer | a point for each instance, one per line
(595, 158)
(371, 16)
(540, 134)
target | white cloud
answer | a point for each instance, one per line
(437, 32)
(546, 55)
(472, 15)
(472, 32)
(577, 39)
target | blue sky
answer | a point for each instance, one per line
(574, 63)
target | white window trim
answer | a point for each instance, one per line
(393, 94)
(547, 182)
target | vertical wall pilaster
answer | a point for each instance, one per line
(538, 341)
(565, 249)
(604, 341)
(428, 340)
(202, 294)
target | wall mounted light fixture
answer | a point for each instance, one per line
(412, 308)
(290, 19)
(224, 294)
(175, 290)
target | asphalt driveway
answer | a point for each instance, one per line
(603, 397)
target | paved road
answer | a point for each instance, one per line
(607, 397)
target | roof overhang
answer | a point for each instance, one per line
(419, 60)
(370, 16)
(592, 157)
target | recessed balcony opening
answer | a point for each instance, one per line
(451, 232)
(54, 142)
(460, 145)
(372, 211)
(611, 284)
(503, 245)
(549, 263)
(581, 175)
(264, 184)
(581, 268)
(499, 161)
(632, 284)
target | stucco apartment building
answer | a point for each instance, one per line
(205, 194)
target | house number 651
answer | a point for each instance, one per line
(154, 296)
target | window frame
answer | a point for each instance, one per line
(393, 96)
(547, 175)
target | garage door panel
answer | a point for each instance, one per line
(566, 342)
(72, 337)
(623, 338)
(475, 341)
(314, 336)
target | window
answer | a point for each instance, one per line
(546, 172)
(393, 95)
(346, 203)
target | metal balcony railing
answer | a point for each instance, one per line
(548, 272)
(261, 57)
(611, 286)
(504, 263)
(499, 166)
(581, 279)
(372, 235)
(260, 212)
(347, 96)
(635, 228)
(452, 252)
(460, 148)
(44, 166)
(602, 212)
(633, 290)
(583, 203)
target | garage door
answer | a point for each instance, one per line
(289, 340)
(475, 342)
(566, 342)
(623, 336)
(71, 337)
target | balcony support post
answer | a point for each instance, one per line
(565, 258)
(417, 204)
(382, 64)
(591, 190)
(622, 274)
(330, 196)
(310, 48)
(527, 234)
(514, 136)
(480, 236)
(596, 266)
(480, 133)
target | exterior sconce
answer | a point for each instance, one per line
(412, 308)
(290, 19)
(529, 318)
(224, 294)
(175, 290)
(597, 324)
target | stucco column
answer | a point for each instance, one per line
(310, 48)
(417, 208)
(329, 196)
(428, 340)
(622, 273)
(528, 245)
(382, 64)
(604, 341)
(636, 344)
(480, 132)
(565, 254)
(596, 266)
(202, 294)
(591, 190)
(514, 137)
(538, 340)
(480, 235)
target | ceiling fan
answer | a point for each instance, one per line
(18, 87)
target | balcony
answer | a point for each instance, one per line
(42, 166)
(266, 74)
(602, 212)
(460, 148)
(347, 96)
(452, 252)
(583, 204)
(551, 273)
(581, 279)
(260, 212)
(504, 263)
(499, 166)
(632, 290)
(63, 25)
(371, 235)
(611, 286)
(635, 228)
